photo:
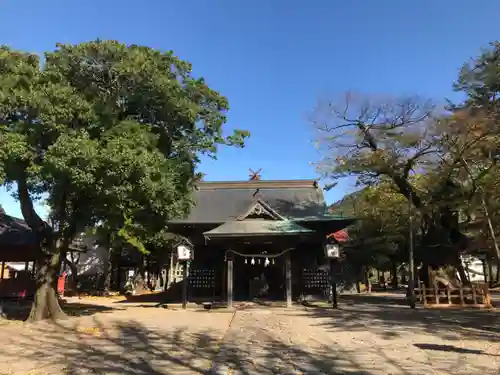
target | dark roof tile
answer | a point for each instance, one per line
(14, 231)
(224, 201)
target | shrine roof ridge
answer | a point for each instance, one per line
(273, 184)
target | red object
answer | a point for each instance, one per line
(17, 288)
(339, 236)
(61, 281)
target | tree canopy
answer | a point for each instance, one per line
(442, 159)
(106, 132)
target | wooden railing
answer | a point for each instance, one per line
(476, 295)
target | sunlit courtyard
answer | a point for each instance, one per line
(374, 335)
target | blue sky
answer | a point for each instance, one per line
(274, 58)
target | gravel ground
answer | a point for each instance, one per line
(358, 340)
(366, 336)
(126, 341)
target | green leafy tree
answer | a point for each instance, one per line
(384, 138)
(454, 152)
(107, 133)
(479, 114)
(479, 81)
(379, 237)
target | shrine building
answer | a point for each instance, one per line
(257, 239)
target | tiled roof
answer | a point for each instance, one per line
(218, 202)
(14, 231)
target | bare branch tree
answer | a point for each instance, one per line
(386, 138)
(375, 137)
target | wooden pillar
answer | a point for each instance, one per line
(170, 275)
(487, 296)
(149, 273)
(185, 281)
(2, 270)
(288, 279)
(462, 298)
(436, 291)
(33, 269)
(490, 272)
(485, 270)
(223, 281)
(229, 281)
(333, 282)
(474, 294)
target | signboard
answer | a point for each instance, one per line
(184, 252)
(332, 251)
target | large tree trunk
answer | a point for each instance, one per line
(108, 266)
(461, 271)
(46, 303)
(74, 272)
(496, 248)
(394, 275)
(404, 275)
(490, 271)
(108, 272)
(368, 282)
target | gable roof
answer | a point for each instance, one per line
(15, 232)
(218, 202)
(260, 208)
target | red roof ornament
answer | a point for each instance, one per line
(255, 176)
(339, 236)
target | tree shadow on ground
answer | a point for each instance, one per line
(155, 297)
(172, 295)
(21, 311)
(277, 357)
(397, 299)
(389, 318)
(451, 348)
(126, 348)
(292, 339)
(121, 346)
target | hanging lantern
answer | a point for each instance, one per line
(332, 251)
(246, 260)
(184, 252)
(266, 262)
(253, 261)
(258, 260)
(273, 261)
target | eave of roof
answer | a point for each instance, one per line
(257, 227)
(326, 224)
